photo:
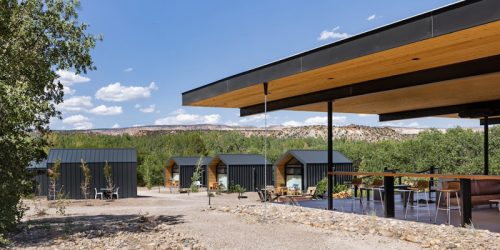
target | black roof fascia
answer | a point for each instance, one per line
(445, 20)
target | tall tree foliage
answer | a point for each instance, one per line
(37, 37)
(456, 151)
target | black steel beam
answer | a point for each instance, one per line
(330, 155)
(486, 147)
(466, 202)
(491, 121)
(449, 72)
(469, 110)
(446, 20)
(389, 211)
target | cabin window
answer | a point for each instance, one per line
(175, 173)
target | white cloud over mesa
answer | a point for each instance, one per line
(84, 104)
(316, 120)
(115, 92)
(371, 17)
(68, 78)
(78, 122)
(149, 109)
(333, 34)
(181, 117)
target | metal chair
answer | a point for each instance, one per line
(451, 187)
(420, 188)
(115, 193)
(356, 184)
(376, 186)
(98, 193)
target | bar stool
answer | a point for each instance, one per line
(420, 188)
(376, 186)
(356, 183)
(451, 187)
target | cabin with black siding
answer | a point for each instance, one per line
(179, 171)
(305, 168)
(246, 170)
(123, 162)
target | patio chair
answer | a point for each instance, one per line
(420, 187)
(115, 193)
(272, 195)
(376, 186)
(310, 193)
(97, 194)
(356, 184)
(261, 195)
(451, 187)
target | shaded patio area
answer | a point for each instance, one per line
(483, 217)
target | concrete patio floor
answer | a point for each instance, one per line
(483, 217)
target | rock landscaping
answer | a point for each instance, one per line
(426, 235)
(103, 232)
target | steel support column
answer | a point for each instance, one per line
(466, 202)
(389, 211)
(486, 146)
(330, 153)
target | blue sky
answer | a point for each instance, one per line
(154, 50)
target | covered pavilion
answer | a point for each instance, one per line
(442, 63)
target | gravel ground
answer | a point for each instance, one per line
(181, 221)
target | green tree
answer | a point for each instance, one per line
(108, 176)
(87, 177)
(37, 38)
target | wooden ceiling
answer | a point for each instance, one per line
(459, 91)
(465, 45)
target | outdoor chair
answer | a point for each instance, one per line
(450, 187)
(420, 188)
(98, 193)
(261, 195)
(377, 186)
(115, 193)
(311, 191)
(356, 184)
(272, 195)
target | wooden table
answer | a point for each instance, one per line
(465, 189)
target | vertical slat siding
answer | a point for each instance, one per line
(186, 173)
(243, 175)
(316, 172)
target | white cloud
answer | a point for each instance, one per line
(180, 117)
(148, 109)
(116, 125)
(69, 78)
(315, 120)
(128, 70)
(366, 115)
(332, 34)
(117, 93)
(138, 125)
(230, 123)
(371, 17)
(78, 122)
(104, 110)
(76, 104)
(402, 124)
(68, 91)
(253, 118)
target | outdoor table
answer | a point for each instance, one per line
(106, 192)
(495, 202)
(465, 189)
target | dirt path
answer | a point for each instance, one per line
(212, 228)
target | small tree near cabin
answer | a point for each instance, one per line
(195, 179)
(87, 177)
(108, 176)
